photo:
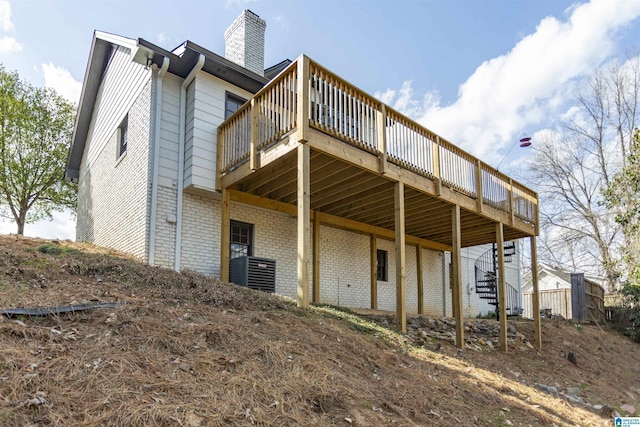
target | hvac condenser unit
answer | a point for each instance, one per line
(254, 273)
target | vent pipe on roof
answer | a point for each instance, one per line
(244, 42)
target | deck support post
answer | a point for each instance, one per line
(502, 287)
(401, 312)
(304, 228)
(373, 257)
(536, 293)
(225, 234)
(420, 281)
(456, 275)
(316, 259)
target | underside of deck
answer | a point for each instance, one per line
(345, 188)
(312, 145)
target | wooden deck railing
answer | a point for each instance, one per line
(340, 109)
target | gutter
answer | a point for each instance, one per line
(181, 144)
(156, 161)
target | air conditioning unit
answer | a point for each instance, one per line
(254, 273)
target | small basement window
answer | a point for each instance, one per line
(123, 136)
(383, 265)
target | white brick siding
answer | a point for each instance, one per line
(113, 194)
(165, 230)
(344, 256)
(344, 278)
(201, 235)
(435, 284)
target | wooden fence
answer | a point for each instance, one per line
(587, 299)
(555, 302)
(583, 302)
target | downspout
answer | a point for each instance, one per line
(156, 161)
(181, 143)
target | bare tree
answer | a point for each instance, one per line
(576, 161)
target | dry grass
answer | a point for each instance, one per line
(183, 349)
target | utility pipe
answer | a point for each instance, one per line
(156, 161)
(181, 143)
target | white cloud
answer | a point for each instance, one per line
(9, 45)
(62, 227)
(61, 80)
(281, 21)
(5, 16)
(162, 38)
(521, 88)
(234, 3)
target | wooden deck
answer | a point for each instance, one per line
(312, 145)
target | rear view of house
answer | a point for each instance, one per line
(290, 175)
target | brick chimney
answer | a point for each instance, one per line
(244, 42)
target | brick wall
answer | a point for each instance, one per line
(244, 42)
(113, 193)
(165, 227)
(344, 261)
(200, 235)
(344, 278)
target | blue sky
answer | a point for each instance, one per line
(480, 73)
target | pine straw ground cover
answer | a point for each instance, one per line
(183, 349)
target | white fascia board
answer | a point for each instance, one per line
(119, 40)
(139, 54)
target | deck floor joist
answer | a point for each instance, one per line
(343, 189)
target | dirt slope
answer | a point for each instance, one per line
(182, 349)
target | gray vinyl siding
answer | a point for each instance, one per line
(189, 132)
(202, 124)
(169, 131)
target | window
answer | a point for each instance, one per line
(241, 241)
(232, 104)
(383, 264)
(122, 136)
